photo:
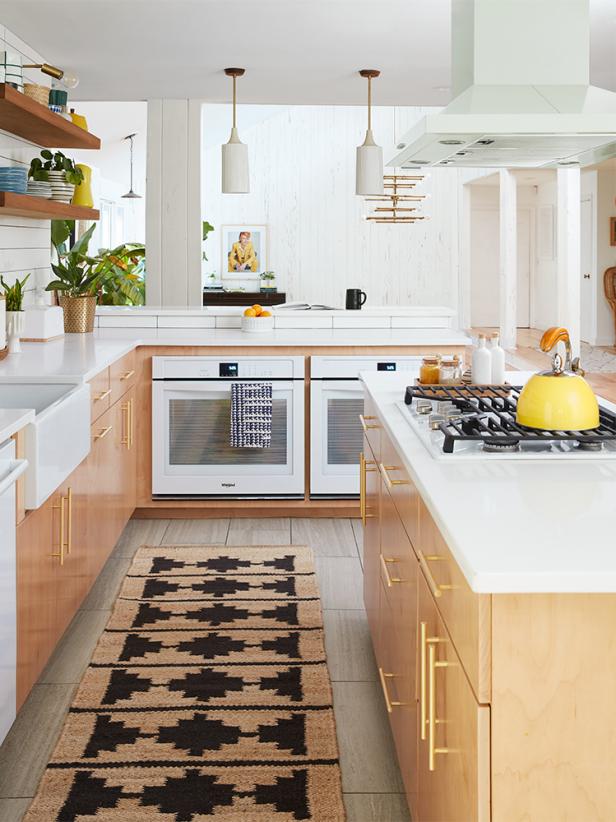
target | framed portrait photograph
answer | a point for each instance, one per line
(244, 251)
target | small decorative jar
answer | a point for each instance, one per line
(429, 373)
(450, 371)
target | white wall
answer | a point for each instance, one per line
(302, 170)
(24, 243)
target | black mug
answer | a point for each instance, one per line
(355, 298)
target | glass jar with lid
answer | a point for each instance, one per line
(430, 370)
(450, 372)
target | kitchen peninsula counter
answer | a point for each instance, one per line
(512, 525)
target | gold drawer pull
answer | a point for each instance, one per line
(127, 375)
(388, 480)
(69, 521)
(363, 470)
(390, 704)
(390, 580)
(103, 395)
(432, 720)
(441, 586)
(365, 425)
(103, 432)
(424, 641)
(432, 584)
(61, 508)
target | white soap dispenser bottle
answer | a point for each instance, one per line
(482, 363)
(498, 360)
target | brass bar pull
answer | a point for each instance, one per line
(362, 488)
(127, 375)
(388, 480)
(125, 439)
(60, 553)
(389, 704)
(102, 395)
(130, 423)
(365, 425)
(103, 432)
(390, 580)
(432, 584)
(432, 720)
(424, 641)
(69, 521)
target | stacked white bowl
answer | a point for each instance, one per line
(60, 189)
(39, 188)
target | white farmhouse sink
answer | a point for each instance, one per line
(58, 439)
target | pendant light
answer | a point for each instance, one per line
(131, 195)
(235, 153)
(369, 165)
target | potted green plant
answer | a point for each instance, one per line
(14, 296)
(268, 281)
(122, 272)
(77, 279)
(61, 172)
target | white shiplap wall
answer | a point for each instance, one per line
(302, 186)
(24, 243)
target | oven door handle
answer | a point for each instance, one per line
(220, 386)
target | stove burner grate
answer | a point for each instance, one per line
(488, 416)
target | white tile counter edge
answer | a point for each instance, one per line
(513, 527)
(13, 420)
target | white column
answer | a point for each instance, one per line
(508, 267)
(568, 222)
(173, 207)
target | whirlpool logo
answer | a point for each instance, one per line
(228, 484)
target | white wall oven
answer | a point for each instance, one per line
(336, 434)
(191, 422)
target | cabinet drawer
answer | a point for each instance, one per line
(372, 427)
(402, 489)
(466, 614)
(454, 743)
(397, 662)
(371, 518)
(123, 375)
(398, 566)
(100, 393)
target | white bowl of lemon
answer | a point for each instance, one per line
(256, 320)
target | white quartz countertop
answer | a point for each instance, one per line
(81, 356)
(536, 526)
(13, 420)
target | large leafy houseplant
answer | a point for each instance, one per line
(76, 272)
(122, 274)
(54, 161)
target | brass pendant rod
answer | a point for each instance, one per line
(234, 82)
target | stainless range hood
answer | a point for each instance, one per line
(522, 98)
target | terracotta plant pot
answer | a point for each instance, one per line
(78, 313)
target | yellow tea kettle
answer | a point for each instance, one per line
(560, 399)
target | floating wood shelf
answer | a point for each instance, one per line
(24, 205)
(24, 117)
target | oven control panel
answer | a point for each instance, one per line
(213, 368)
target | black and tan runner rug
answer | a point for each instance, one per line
(207, 696)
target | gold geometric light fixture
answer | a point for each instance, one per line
(235, 178)
(398, 202)
(369, 158)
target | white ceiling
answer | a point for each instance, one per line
(294, 51)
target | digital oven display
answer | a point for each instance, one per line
(228, 369)
(386, 366)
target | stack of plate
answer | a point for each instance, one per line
(60, 189)
(13, 178)
(11, 69)
(39, 188)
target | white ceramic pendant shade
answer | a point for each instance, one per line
(369, 159)
(235, 176)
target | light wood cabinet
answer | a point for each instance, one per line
(454, 745)
(100, 394)
(122, 375)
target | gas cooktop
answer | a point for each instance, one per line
(477, 422)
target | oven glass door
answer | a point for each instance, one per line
(336, 436)
(191, 447)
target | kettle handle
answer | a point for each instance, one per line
(554, 335)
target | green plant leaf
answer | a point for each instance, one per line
(46, 154)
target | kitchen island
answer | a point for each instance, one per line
(490, 587)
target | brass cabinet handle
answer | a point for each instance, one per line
(103, 432)
(127, 375)
(363, 470)
(435, 588)
(126, 424)
(102, 395)
(385, 561)
(438, 585)
(389, 704)
(388, 480)
(69, 520)
(130, 423)
(424, 641)
(60, 553)
(432, 720)
(365, 425)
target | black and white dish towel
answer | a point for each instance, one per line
(251, 414)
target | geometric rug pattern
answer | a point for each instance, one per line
(207, 696)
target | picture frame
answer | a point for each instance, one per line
(238, 251)
(612, 230)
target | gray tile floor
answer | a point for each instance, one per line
(371, 781)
